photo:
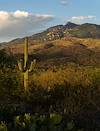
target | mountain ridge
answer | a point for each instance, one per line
(62, 44)
(86, 30)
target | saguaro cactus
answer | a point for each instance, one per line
(23, 66)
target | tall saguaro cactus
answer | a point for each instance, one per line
(23, 67)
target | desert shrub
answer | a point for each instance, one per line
(6, 60)
(53, 122)
(75, 76)
(72, 91)
(10, 84)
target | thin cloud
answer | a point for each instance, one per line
(82, 18)
(21, 23)
(64, 2)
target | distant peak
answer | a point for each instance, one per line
(90, 24)
(71, 25)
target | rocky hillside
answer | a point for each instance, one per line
(65, 31)
(70, 43)
(69, 30)
(71, 50)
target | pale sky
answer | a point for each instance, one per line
(19, 18)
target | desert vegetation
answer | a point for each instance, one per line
(63, 88)
(70, 94)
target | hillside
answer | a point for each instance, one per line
(70, 43)
(69, 30)
(86, 30)
(71, 50)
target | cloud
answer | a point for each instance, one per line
(64, 2)
(21, 23)
(82, 18)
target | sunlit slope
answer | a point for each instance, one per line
(81, 51)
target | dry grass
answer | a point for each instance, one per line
(90, 43)
(73, 76)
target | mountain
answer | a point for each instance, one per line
(87, 31)
(70, 29)
(61, 44)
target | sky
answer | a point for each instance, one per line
(20, 18)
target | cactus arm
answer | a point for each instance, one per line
(26, 53)
(20, 66)
(32, 66)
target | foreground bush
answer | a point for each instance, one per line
(52, 122)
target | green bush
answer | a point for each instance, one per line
(53, 122)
